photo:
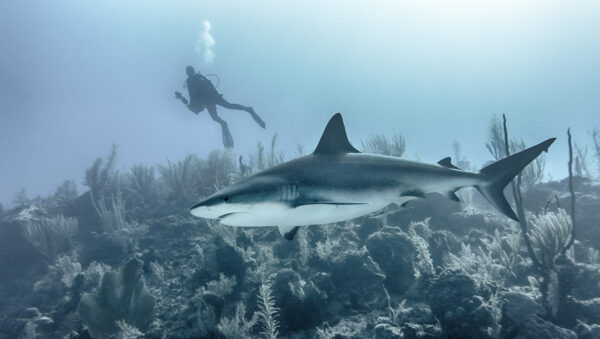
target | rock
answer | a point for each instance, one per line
(300, 302)
(517, 307)
(354, 283)
(461, 312)
(574, 310)
(522, 318)
(367, 227)
(11, 327)
(105, 248)
(585, 331)
(229, 261)
(442, 243)
(536, 327)
(354, 327)
(394, 252)
(121, 296)
(42, 321)
(386, 331)
(30, 313)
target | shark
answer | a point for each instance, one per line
(337, 182)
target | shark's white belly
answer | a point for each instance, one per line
(274, 214)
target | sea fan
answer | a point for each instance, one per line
(549, 235)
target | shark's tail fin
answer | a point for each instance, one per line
(499, 174)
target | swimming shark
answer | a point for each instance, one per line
(337, 182)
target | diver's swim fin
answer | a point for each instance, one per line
(227, 138)
(256, 118)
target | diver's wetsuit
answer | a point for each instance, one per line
(204, 95)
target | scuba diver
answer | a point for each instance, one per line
(204, 95)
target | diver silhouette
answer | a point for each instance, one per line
(204, 95)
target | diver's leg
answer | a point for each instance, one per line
(224, 103)
(225, 134)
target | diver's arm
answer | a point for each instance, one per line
(181, 98)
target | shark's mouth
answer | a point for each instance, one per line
(226, 215)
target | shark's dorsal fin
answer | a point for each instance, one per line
(447, 162)
(334, 139)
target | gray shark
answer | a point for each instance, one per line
(337, 183)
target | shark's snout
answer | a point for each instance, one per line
(201, 211)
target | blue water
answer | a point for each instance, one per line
(76, 77)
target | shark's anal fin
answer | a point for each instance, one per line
(288, 232)
(447, 162)
(334, 139)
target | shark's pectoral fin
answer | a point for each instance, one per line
(324, 202)
(288, 232)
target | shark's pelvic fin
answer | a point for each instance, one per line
(288, 232)
(413, 193)
(452, 195)
(334, 139)
(447, 162)
(500, 173)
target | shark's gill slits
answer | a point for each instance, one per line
(288, 192)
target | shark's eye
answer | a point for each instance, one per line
(226, 200)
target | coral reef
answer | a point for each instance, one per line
(125, 259)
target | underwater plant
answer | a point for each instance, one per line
(380, 144)
(259, 160)
(180, 178)
(238, 326)
(219, 288)
(143, 190)
(50, 235)
(101, 178)
(267, 311)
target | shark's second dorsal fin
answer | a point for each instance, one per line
(334, 139)
(447, 162)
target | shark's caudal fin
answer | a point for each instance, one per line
(334, 139)
(500, 173)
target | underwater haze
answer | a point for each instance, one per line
(79, 76)
(122, 169)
